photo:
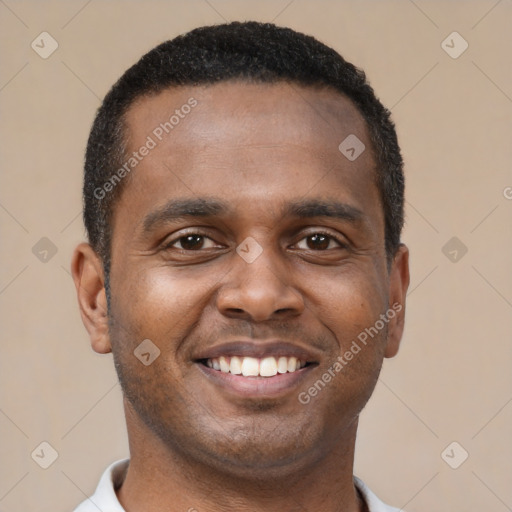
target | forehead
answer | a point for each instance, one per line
(278, 113)
(249, 144)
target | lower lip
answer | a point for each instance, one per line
(257, 387)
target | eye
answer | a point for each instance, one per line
(192, 242)
(318, 242)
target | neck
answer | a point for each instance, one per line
(158, 479)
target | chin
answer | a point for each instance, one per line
(252, 453)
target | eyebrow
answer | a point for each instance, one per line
(184, 208)
(324, 208)
(178, 209)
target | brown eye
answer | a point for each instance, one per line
(191, 246)
(318, 242)
(191, 242)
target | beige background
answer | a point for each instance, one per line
(452, 378)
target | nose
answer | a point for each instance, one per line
(259, 291)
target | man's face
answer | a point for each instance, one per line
(253, 167)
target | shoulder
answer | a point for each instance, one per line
(372, 501)
(104, 497)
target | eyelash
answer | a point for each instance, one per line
(170, 244)
(341, 245)
(184, 235)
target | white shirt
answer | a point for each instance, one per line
(105, 499)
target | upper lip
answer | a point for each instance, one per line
(258, 349)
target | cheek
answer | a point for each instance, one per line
(159, 303)
(349, 300)
(152, 304)
(350, 307)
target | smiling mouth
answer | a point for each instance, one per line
(255, 367)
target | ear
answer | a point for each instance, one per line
(398, 285)
(88, 275)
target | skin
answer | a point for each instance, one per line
(257, 148)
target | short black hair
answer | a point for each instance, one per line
(244, 51)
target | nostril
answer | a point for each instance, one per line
(283, 310)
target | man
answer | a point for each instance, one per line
(244, 202)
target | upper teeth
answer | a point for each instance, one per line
(253, 367)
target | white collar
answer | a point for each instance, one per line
(104, 498)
